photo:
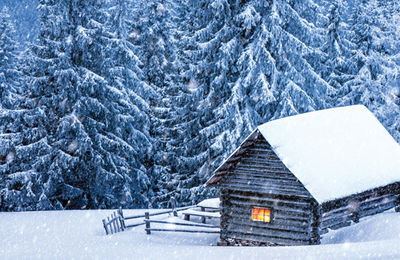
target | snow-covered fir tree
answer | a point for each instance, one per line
(213, 49)
(25, 18)
(337, 66)
(375, 83)
(182, 143)
(148, 35)
(21, 133)
(96, 133)
(132, 102)
(10, 74)
(123, 73)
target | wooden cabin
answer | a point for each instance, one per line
(295, 178)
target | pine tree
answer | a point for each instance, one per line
(124, 75)
(214, 50)
(10, 73)
(24, 15)
(156, 38)
(337, 65)
(96, 158)
(181, 148)
(377, 72)
(23, 139)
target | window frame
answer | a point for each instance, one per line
(271, 214)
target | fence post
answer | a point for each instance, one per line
(121, 219)
(172, 202)
(113, 224)
(116, 222)
(105, 226)
(147, 220)
(110, 225)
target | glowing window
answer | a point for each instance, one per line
(260, 214)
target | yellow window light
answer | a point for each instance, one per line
(260, 214)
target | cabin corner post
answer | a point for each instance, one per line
(315, 237)
(224, 199)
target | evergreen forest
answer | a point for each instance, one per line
(109, 103)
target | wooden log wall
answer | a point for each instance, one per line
(342, 212)
(260, 179)
(254, 176)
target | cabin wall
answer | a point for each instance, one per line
(341, 212)
(259, 179)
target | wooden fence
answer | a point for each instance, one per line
(148, 228)
(117, 222)
(114, 223)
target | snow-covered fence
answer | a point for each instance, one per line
(206, 227)
(114, 223)
(173, 211)
(118, 221)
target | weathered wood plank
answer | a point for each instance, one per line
(295, 222)
(335, 221)
(182, 230)
(266, 179)
(277, 192)
(276, 224)
(338, 211)
(258, 150)
(269, 231)
(378, 199)
(278, 214)
(379, 191)
(267, 176)
(269, 186)
(262, 161)
(334, 217)
(375, 210)
(262, 172)
(377, 203)
(248, 205)
(267, 195)
(341, 216)
(268, 155)
(262, 168)
(340, 225)
(265, 238)
(271, 201)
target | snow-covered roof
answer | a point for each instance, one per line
(210, 203)
(335, 152)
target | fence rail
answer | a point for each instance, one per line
(117, 221)
(182, 230)
(148, 228)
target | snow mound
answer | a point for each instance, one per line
(210, 203)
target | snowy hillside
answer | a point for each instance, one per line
(80, 235)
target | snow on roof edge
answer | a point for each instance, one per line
(208, 182)
(283, 136)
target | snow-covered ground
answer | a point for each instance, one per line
(80, 235)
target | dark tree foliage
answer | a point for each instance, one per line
(127, 103)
